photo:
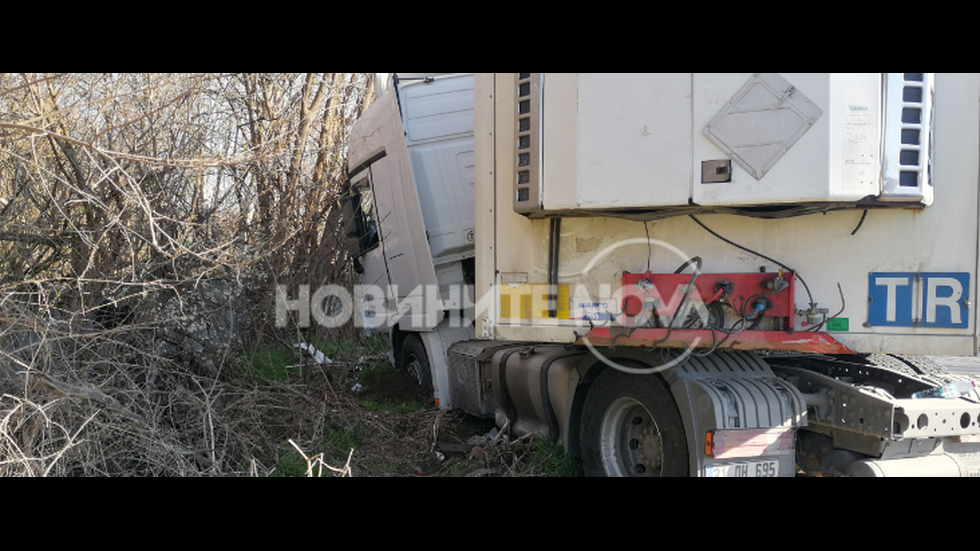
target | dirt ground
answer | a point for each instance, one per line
(399, 432)
(397, 387)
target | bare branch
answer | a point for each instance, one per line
(189, 164)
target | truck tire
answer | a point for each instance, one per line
(631, 428)
(414, 360)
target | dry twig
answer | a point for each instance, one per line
(317, 463)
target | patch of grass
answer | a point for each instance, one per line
(269, 364)
(345, 347)
(341, 440)
(552, 461)
(337, 348)
(272, 363)
(291, 465)
(374, 372)
(336, 445)
(377, 345)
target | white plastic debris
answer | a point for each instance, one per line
(318, 357)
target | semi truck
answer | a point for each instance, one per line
(682, 274)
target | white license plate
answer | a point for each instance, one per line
(757, 469)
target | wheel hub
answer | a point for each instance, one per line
(631, 441)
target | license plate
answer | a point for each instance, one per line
(757, 469)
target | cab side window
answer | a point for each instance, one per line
(370, 237)
(360, 219)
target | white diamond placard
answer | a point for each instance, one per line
(762, 122)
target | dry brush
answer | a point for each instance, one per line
(145, 220)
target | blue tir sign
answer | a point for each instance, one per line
(919, 300)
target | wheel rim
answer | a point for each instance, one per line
(414, 368)
(631, 441)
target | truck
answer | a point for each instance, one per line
(682, 274)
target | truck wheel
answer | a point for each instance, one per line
(415, 361)
(631, 428)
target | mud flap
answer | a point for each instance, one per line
(731, 391)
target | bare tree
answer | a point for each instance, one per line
(135, 210)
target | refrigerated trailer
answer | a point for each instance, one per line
(691, 274)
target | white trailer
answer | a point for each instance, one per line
(696, 274)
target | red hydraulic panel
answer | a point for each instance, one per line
(743, 292)
(724, 312)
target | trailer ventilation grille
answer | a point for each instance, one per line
(908, 138)
(527, 183)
